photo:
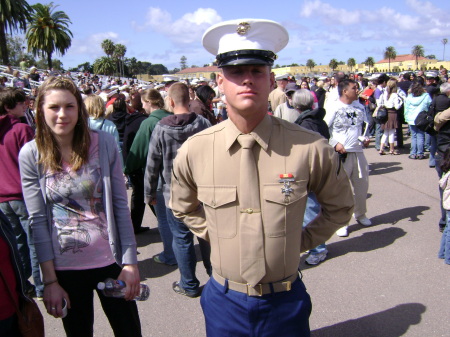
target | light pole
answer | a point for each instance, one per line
(444, 42)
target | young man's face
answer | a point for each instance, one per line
(19, 110)
(246, 88)
(351, 92)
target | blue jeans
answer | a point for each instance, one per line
(378, 133)
(312, 209)
(17, 214)
(433, 149)
(183, 247)
(444, 249)
(443, 220)
(417, 140)
(167, 255)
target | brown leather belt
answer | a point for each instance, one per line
(259, 289)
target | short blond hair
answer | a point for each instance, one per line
(95, 106)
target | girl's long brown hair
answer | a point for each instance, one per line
(49, 152)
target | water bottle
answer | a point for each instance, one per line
(117, 288)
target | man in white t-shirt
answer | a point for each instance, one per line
(345, 118)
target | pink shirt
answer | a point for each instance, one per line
(79, 232)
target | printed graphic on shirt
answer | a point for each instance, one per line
(348, 117)
(79, 220)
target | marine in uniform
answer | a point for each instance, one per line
(243, 184)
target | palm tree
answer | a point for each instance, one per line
(369, 62)
(14, 16)
(417, 51)
(333, 64)
(310, 64)
(104, 65)
(108, 47)
(390, 53)
(351, 63)
(444, 42)
(119, 52)
(48, 32)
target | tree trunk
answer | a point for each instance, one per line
(49, 61)
(3, 47)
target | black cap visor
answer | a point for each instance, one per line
(246, 57)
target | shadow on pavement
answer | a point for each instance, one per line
(366, 242)
(148, 237)
(150, 269)
(393, 322)
(392, 217)
(384, 168)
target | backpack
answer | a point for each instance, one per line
(425, 121)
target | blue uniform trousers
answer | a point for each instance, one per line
(231, 313)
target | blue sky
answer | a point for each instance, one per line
(161, 32)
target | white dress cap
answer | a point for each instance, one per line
(170, 78)
(242, 34)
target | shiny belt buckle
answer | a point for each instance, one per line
(288, 285)
(258, 289)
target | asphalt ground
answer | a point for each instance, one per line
(381, 281)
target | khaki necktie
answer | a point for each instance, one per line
(253, 266)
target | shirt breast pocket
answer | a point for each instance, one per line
(283, 213)
(220, 208)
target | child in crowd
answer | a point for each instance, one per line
(444, 250)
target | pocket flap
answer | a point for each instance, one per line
(274, 192)
(217, 196)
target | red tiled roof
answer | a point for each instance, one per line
(198, 70)
(403, 58)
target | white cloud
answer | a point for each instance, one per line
(385, 23)
(90, 47)
(186, 30)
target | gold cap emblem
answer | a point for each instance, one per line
(243, 28)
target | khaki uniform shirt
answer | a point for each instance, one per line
(276, 97)
(205, 193)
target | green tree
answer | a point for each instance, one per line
(108, 47)
(390, 53)
(119, 53)
(14, 16)
(158, 69)
(48, 32)
(132, 65)
(333, 64)
(310, 64)
(183, 62)
(16, 50)
(417, 51)
(431, 57)
(104, 65)
(369, 62)
(351, 63)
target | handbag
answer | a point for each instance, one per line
(29, 317)
(381, 114)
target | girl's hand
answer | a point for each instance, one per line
(130, 275)
(53, 299)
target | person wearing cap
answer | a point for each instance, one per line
(277, 95)
(249, 200)
(286, 111)
(106, 89)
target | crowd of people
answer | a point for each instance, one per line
(72, 146)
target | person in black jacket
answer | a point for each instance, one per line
(442, 124)
(312, 120)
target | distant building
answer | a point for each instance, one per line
(405, 62)
(192, 73)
